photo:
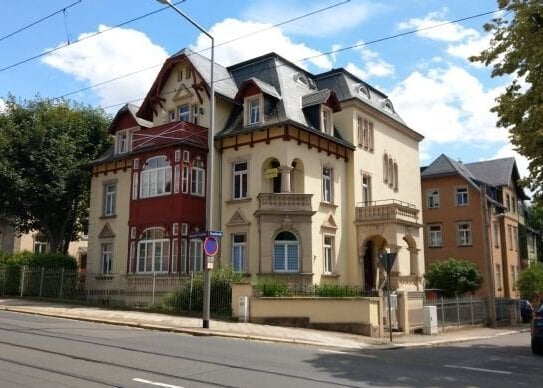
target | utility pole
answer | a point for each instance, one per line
(489, 268)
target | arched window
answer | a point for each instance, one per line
(286, 256)
(396, 176)
(385, 168)
(156, 177)
(198, 177)
(153, 251)
(390, 172)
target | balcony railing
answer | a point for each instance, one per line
(386, 211)
(284, 201)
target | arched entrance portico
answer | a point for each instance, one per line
(372, 276)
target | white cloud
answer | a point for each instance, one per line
(333, 55)
(453, 32)
(2, 106)
(257, 44)
(350, 14)
(118, 52)
(473, 46)
(448, 105)
(372, 64)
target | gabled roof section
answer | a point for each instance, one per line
(325, 96)
(170, 133)
(200, 65)
(259, 84)
(128, 111)
(445, 166)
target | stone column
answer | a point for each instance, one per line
(285, 178)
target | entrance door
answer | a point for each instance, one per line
(369, 274)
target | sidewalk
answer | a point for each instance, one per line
(193, 326)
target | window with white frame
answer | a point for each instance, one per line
(327, 190)
(195, 255)
(156, 177)
(110, 199)
(253, 113)
(496, 234)
(123, 142)
(184, 113)
(183, 256)
(432, 198)
(171, 115)
(286, 253)
(153, 251)
(239, 252)
(173, 266)
(198, 178)
(435, 236)
(365, 134)
(107, 257)
(464, 233)
(327, 124)
(185, 179)
(239, 180)
(328, 250)
(462, 196)
(195, 114)
(366, 189)
(40, 243)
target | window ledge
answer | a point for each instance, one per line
(328, 204)
(108, 217)
(240, 200)
(465, 245)
(330, 275)
(435, 246)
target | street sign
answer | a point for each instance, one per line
(387, 260)
(211, 246)
(215, 233)
(271, 173)
(198, 235)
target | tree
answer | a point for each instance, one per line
(516, 49)
(44, 146)
(530, 283)
(454, 277)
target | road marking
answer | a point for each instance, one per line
(347, 353)
(156, 383)
(503, 372)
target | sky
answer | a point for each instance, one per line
(425, 72)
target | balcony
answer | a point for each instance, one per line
(386, 211)
(284, 202)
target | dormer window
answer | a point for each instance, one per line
(363, 90)
(123, 142)
(179, 75)
(253, 110)
(326, 124)
(387, 105)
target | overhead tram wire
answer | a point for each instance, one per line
(410, 32)
(62, 10)
(85, 38)
(205, 49)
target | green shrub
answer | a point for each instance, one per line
(454, 277)
(336, 291)
(530, 283)
(269, 287)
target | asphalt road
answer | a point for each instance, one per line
(48, 352)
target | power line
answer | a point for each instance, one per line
(207, 48)
(85, 38)
(410, 32)
(62, 10)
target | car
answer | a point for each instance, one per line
(526, 310)
(537, 331)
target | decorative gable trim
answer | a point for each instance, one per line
(182, 92)
(329, 223)
(106, 232)
(237, 219)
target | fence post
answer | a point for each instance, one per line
(457, 311)
(61, 282)
(154, 288)
(471, 309)
(22, 280)
(41, 280)
(442, 315)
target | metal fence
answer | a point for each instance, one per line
(172, 293)
(473, 311)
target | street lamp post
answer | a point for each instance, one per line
(210, 159)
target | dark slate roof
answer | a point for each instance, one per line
(497, 172)
(315, 98)
(132, 109)
(445, 166)
(266, 88)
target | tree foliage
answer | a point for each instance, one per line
(516, 50)
(454, 277)
(530, 283)
(43, 147)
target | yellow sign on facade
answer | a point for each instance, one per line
(272, 173)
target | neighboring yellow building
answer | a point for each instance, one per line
(315, 176)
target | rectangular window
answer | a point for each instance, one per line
(173, 267)
(327, 185)
(366, 189)
(184, 229)
(107, 257)
(186, 156)
(195, 114)
(496, 234)
(285, 256)
(510, 236)
(177, 156)
(432, 198)
(183, 256)
(110, 199)
(40, 246)
(253, 111)
(239, 180)
(365, 134)
(135, 185)
(328, 250)
(184, 113)
(175, 229)
(179, 75)
(136, 163)
(239, 252)
(515, 238)
(188, 74)
(176, 178)
(435, 236)
(327, 123)
(122, 142)
(195, 255)
(185, 180)
(499, 278)
(171, 115)
(197, 183)
(464, 233)
(461, 196)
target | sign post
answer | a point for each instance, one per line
(387, 260)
